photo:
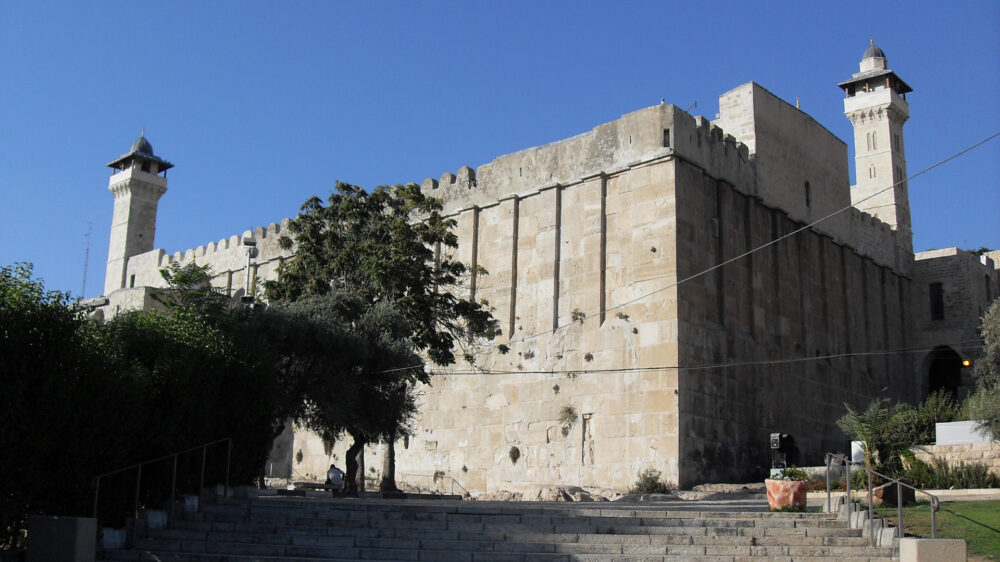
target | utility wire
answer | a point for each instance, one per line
(969, 345)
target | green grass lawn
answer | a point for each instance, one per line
(978, 522)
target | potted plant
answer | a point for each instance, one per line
(787, 491)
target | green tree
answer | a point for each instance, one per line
(390, 248)
(869, 427)
(984, 404)
(189, 289)
(65, 415)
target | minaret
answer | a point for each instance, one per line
(136, 185)
(876, 105)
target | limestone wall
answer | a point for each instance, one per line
(800, 166)
(803, 298)
(227, 258)
(986, 453)
(560, 260)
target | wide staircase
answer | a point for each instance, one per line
(312, 529)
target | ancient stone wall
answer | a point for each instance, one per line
(227, 258)
(560, 260)
(803, 302)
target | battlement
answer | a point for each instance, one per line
(224, 256)
(879, 241)
(657, 132)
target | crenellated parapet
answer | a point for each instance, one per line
(879, 241)
(637, 138)
(226, 257)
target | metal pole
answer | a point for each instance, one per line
(173, 490)
(828, 483)
(934, 508)
(138, 481)
(229, 454)
(97, 491)
(201, 483)
(847, 465)
(871, 502)
(899, 507)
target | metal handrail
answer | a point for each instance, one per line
(841, 458)
(96, 482)
(430, 477)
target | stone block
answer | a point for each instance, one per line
(61, 539)
(156, 519)
(886, 495)
(932, 550)
(112, 538)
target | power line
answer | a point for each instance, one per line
(964, 346)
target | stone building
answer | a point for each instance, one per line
(673, 290)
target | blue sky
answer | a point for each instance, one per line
(261, 104)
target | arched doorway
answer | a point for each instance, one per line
(943, 368)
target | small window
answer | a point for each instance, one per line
(874, 141)
(145, 166)
(131, 281)
(937, 301)
(666, 137)
(868, 140)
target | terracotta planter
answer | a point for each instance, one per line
(786, 493)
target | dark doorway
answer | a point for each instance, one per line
(944, 370)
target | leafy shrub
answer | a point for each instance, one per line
(819, 485)
(938, 475)
(792, 473)
(649, 482)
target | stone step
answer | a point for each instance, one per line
(417, 550)
(301, 529)
(162, 556)
(317, 507)
(299, 517)
(339, 536)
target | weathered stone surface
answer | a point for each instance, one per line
(886, 495)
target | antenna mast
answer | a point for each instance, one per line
(86, 260)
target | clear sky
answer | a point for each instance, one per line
(261, 104)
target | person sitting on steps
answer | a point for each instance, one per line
(335, 478)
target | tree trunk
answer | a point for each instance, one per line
(361, 469)
(388, 483)
(350, 479)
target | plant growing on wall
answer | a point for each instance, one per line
(567, 417)
(649, 482)
(514, 454)
(578, 315)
